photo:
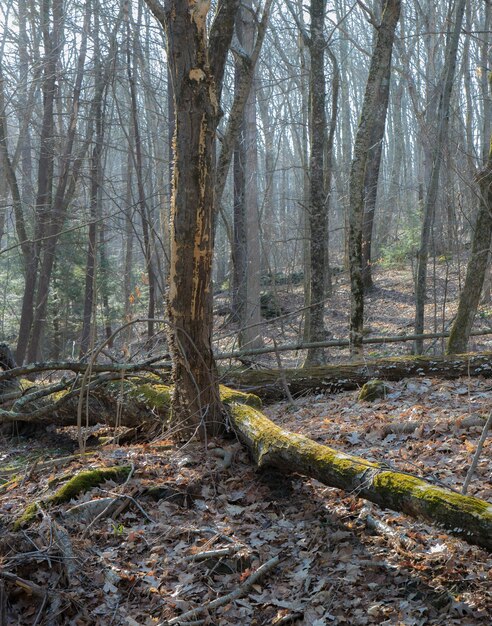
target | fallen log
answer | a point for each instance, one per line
(269, 385)
(467, 517)
(131, 402)
(464, 516)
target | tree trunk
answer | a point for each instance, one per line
(318, 222)
(197, 80)
(131, 63)
(467, 517)
(376, 96)
(54, 210)
(88, 316)
(431, 197)
(45, 169)
(271, 446)
(251, 331)
(477, 266)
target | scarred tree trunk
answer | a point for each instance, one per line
(377, 85)
(197, 66)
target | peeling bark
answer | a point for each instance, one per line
(197, 83)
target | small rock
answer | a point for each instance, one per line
(373, 390)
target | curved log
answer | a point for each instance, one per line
(268, 384)
(467, 517)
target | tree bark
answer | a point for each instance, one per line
(271, 446)
(376, 92)
(250, 332)
(477, 265)
(318, 222)
(197, 82)
(131, 68)
(52, 49)
(88, 316)
(431, 197)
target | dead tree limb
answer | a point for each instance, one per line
(467, 517)
(268, 383)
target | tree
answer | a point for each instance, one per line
(477, 265)
(375, 97)
(318, 221)
(246, 241)
(432, 190)
(197, 78)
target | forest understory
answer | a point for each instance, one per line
(191, 524)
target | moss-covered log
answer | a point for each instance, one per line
(467, 517)
(268, 383)
(78, 484)
(131, 402)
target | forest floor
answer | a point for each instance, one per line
(389, 311)
(212, 524)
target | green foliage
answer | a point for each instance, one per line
(396, 254)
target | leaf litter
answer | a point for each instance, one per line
(212, 528)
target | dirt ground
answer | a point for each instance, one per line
(214, 521)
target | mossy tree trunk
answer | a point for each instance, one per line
(371, 119)
(197, 63)
(270, 445)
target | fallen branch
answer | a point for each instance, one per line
(467, 517)
(269, 383)
(477, 454)
(26, 585)
(240, 591)
(154, 364)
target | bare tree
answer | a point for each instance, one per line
(432, 190)
(376, 89)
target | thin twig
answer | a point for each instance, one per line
(477, 454)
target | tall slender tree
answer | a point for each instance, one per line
(433, 187)
(376, 95)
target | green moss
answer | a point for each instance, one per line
(373, 390)
(84, 481)
(155, 396)
(401, 486)
(27, 516)
(80, 483)
(307, 453)
(229, 396)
